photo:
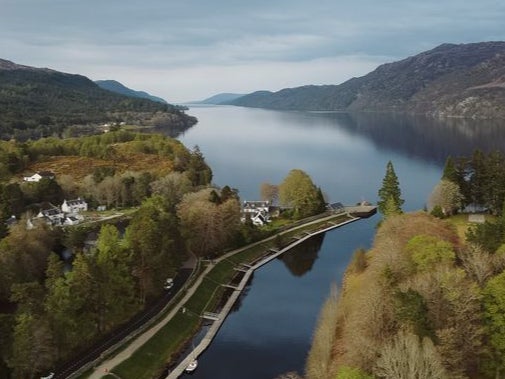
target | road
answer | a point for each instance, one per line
(109, 340)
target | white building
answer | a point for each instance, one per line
(256, 206)
(74, 206)
(38, 176)
(53, 216)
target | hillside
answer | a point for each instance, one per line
(115, 86)
(220, 98)
(466, 80)
(420, 301)
(37, 102)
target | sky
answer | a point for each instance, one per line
(189, 50)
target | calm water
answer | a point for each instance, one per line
(271, 330)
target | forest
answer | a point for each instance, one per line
(426, 301)
(39, 103)
(49, 312)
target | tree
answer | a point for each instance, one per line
(408, 357)
(390, 201)
(494, 313)
(116, 289)
(202, 224)
(32, 348)
(299, 192)
(198, 172)
(172, 188)
(447, 195)
(269, 192)
(426, 252)
(152, 237)
(346, 372)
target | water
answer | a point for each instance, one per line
(271, 330)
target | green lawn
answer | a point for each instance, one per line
(148, 361)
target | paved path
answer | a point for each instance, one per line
(140, 340)
(216, 325)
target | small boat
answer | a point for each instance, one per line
(192, 366)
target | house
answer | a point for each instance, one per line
(74, 206)
(259, 219)
(255, 206)
(38, 176)
(53, 215)
(71, 220)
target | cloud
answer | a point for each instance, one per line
(226, 43)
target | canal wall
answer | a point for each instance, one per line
(248, 271)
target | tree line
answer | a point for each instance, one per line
(49, 313)
(422, 302)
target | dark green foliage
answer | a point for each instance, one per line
(390, 201)
(12, 200)
(38, 103)
(450, 172)
(197, 170)
(494, 312)
(490, 235)
(411, 310)
(437, 212)
(101, 172)
(214, 197)
(46, 190)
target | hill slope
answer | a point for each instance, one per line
(115, 86)
(220, 98)
(40, 101)
(466, 80)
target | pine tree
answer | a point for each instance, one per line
(390, 200)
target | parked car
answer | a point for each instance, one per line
(169, 283)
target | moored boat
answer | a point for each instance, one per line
(192, 366)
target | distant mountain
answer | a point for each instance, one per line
(37, 102)
(219, 98)
(466, 80)
(115, 86)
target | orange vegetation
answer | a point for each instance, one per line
(79, 167)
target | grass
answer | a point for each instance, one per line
(460, 222)
(149, 360)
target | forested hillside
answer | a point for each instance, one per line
(40, 102)
(49, 314)
(466, 80)
(115, 86)
(427, 300)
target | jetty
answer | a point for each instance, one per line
(354, 213)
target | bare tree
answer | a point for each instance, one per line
(269, 192)
(477, 262)
(408, 357)
(319, 362)
(447, 195)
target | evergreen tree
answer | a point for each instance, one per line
(450, 171)
(390, 200)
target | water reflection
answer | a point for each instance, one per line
(423, 137)
(300, 259)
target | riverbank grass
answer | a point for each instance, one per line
(149, 360)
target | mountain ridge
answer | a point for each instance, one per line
(451, 80)
(117, 87)
(220, 98)
(37, 102)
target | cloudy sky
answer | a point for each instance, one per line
(192, 49)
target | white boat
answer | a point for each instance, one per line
(192, 366)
